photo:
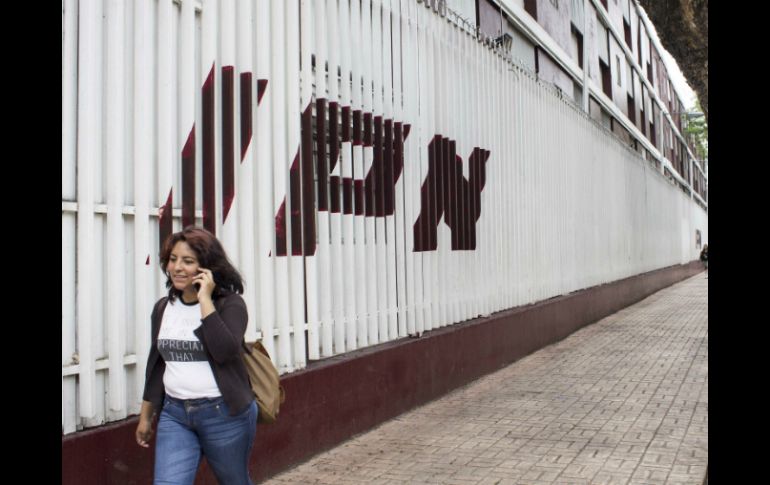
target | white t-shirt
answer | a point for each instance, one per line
(188, 372)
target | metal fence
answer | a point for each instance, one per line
(373, 169)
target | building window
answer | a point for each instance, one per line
(606, 78)
(619, 71)
(630, 78)
(627, 32)
(653, 138)
(578, 39)
(530, 6)
(631, 109)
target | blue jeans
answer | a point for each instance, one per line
(192, 427)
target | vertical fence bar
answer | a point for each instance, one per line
(337, 106)
(69, 221)
(245, 198)
(388, 174)
(441, 157)
(282, 162)
(492, 191)
(428, 205)
(346, 159)
(208, 82)
(479, 203)
(294, 203)
(226, 201)
(361, 277)
(505, 192)
(309, 248)
(144, 251)
(378, 55)
(456, 164)
(397, 40)
(266, 152)
(367, 104)
(115, 261)
(89, 133)
(411, 96)
(510, 168)
(322, 166)
(466, 282)
(442, 199)
(450, 177)
(335, 168)
(417, 154)
(496, 173)
(474, 95)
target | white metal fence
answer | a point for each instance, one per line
(372, 169)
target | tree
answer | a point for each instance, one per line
(683, 29)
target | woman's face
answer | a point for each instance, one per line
(182, 266)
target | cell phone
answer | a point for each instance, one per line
(197, 286)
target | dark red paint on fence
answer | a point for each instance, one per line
(165, 220)
(375, 177)
(323, 172)
(280, 230)
(208, 148)
(281, 235)
(367, 138)
(347, 195)
(345, 123)
(388, 182)
(228, 140)
(358, 131)
(358, 190)
(209, 169)
(261, 88)
(246, 118)
(447, 193)
(334, 192)
(296, 206)
(308, 185)
(188, 179)
(334, 143)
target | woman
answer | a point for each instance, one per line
(195, 376)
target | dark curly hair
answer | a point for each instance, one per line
(211, 255)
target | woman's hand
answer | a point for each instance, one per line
(204, 281)
(144, 432)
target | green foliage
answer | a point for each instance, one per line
(698, 130)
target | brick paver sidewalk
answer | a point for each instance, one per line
(622, 401)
